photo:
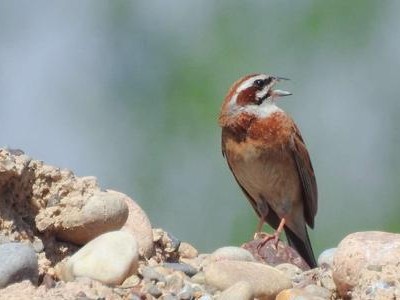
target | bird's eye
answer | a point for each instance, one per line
(259, 83)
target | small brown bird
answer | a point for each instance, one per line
(269, 160)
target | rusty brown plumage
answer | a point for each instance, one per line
(269, 160)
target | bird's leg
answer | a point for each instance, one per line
(274, 236)
(258, 232)
(278, 232)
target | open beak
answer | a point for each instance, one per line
(279, 93)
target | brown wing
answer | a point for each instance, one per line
(306, 172)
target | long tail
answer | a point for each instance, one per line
(303, 247)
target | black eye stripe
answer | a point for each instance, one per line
(260, 83)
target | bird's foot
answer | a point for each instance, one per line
(265, 237)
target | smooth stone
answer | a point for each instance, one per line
(326, 258)
(289, 270)
(18, 262)
(185, 268)
(174, 283)
(239, 291)
(186, 250)
(231, 253)
(297, 294)
(138, 224)
(110, 258)
(186, 293)
(151, 274)
(102, 212)
(153, 290)
(318, 291)
(266, 282)
(37, 245)
(358, 252)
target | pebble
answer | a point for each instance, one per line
(318, 291)
(37, 245)
(358, 251)
(231, 253)
(186, 293)
(265, 281)
(239, 291)
(110, 258)
(185, 268)
(297, 294)
(18, 262)
(325, 259)
(138, 224)
(187, 251)
(153, 290)
(150, 274)
(174, 283)
(102, 212)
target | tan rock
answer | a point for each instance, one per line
(231, 253)
(80, 220)
(239, 291)
(265, 281)
(296, 293)
(138, 224)
(110, 258)
(187, 251)
(360, 251)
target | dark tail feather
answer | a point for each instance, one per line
(302, 247)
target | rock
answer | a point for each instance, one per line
(101, 213)
(18, 263)
(185, 268)
(231, 253)
(289, 270)
(266, 282)
(361, 251)
(152, 289)
(296, 293)
(325, 259)
(275, 254)
(138, 224)
(150, 274)
(378, 282)
(239, 291)
(174, 283)
(186, 293)
(110, 258)
(187, 251)
(37, 245)
(318, 291)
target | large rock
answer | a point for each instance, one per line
(18, 262)
(360, 252)
(110, 258)
(138, 224)
(265, 281)
(82, 219)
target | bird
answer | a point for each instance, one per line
(269, 160)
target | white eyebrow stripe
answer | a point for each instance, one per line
(249, 82)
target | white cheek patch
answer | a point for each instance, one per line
(244, 85)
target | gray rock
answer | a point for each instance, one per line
(325, 259)
(150, 274)
(18, 263)
(266, 282)
(185, 268)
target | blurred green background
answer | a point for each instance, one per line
(129, 91)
